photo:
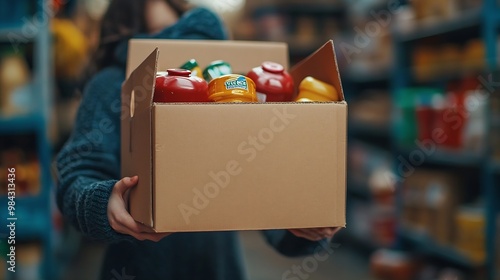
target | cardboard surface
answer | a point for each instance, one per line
(212, 167)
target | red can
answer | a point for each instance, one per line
(272, 82)
(177, 85)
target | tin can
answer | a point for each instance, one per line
(177, 85)
(216, 69)
(311, 89)
(192, 65)
(273, 83)
(232, 88)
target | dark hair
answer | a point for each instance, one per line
(122, 20)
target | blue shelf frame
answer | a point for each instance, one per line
(487, 20)
(39, 228)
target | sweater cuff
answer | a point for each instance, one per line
(96, 215)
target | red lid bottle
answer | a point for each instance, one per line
(272, 82)
(176, 85)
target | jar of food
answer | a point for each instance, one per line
(177, 85)
(216, 69)
(192, 65)
(311, 89)
(272, 82)
(232, 88)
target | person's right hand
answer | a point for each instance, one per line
(119, 218)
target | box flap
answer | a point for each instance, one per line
(136, 142)
(321, 65)
(174, 53)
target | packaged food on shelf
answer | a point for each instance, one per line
(393, 265)
(373, 108)
(430, 200)
(15, 93)
(29, 261)
(470, 232)
(383, 224)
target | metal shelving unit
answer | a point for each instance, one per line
(33, 212)
(486, 21)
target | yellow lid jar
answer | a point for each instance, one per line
(232, 88)
(311, 90)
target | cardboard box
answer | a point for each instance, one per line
(216, 167)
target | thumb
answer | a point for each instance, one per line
(126, 183)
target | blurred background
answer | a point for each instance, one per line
(421, 79)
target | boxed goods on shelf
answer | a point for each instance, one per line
(470, 232)
(430, 200)
(198, 170)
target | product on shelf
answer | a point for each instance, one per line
(15, 97)
(470, 232)
(273, 83)
(29, 259)
(474, 54)
(393, 265)
(232, 88)
(430, 199)
(373, 108)
(177, 85)
(383, 224)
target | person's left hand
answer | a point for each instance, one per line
(315, 234)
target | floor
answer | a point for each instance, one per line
(263, 263)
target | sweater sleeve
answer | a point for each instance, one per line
(88, 165)
(290, 245)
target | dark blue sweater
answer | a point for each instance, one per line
(89, 166)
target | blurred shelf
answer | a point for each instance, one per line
(358, 240)
(495, 166)
(428, 246)
(449, 157)
(458, 72)
(358, 190)
(31, 222)
(356, 127)
(466, 19)
(313, 9)
(495, 120)
(21, 124)
(365, 77)
(303, 50)
(16, 33)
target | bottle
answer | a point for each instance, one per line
(177, 85)
(216, 69)
(311, 89)
(232, 88)
(272, 82)
(192, 65)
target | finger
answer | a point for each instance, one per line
(124, 219)
(307, 234)
(125, 184)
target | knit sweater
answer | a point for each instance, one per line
(89, 166)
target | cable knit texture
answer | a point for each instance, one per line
(89, 166)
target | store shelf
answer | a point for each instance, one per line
(448, 157)
(426, 245)
(358, 190)
(313, 9)
(368, 129)
(465, 20)
(495, 166)
(17, 33)
(20, 124)
(360, 77)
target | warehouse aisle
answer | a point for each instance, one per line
(263, 263)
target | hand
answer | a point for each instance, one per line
(119, 218)
(315, 234)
